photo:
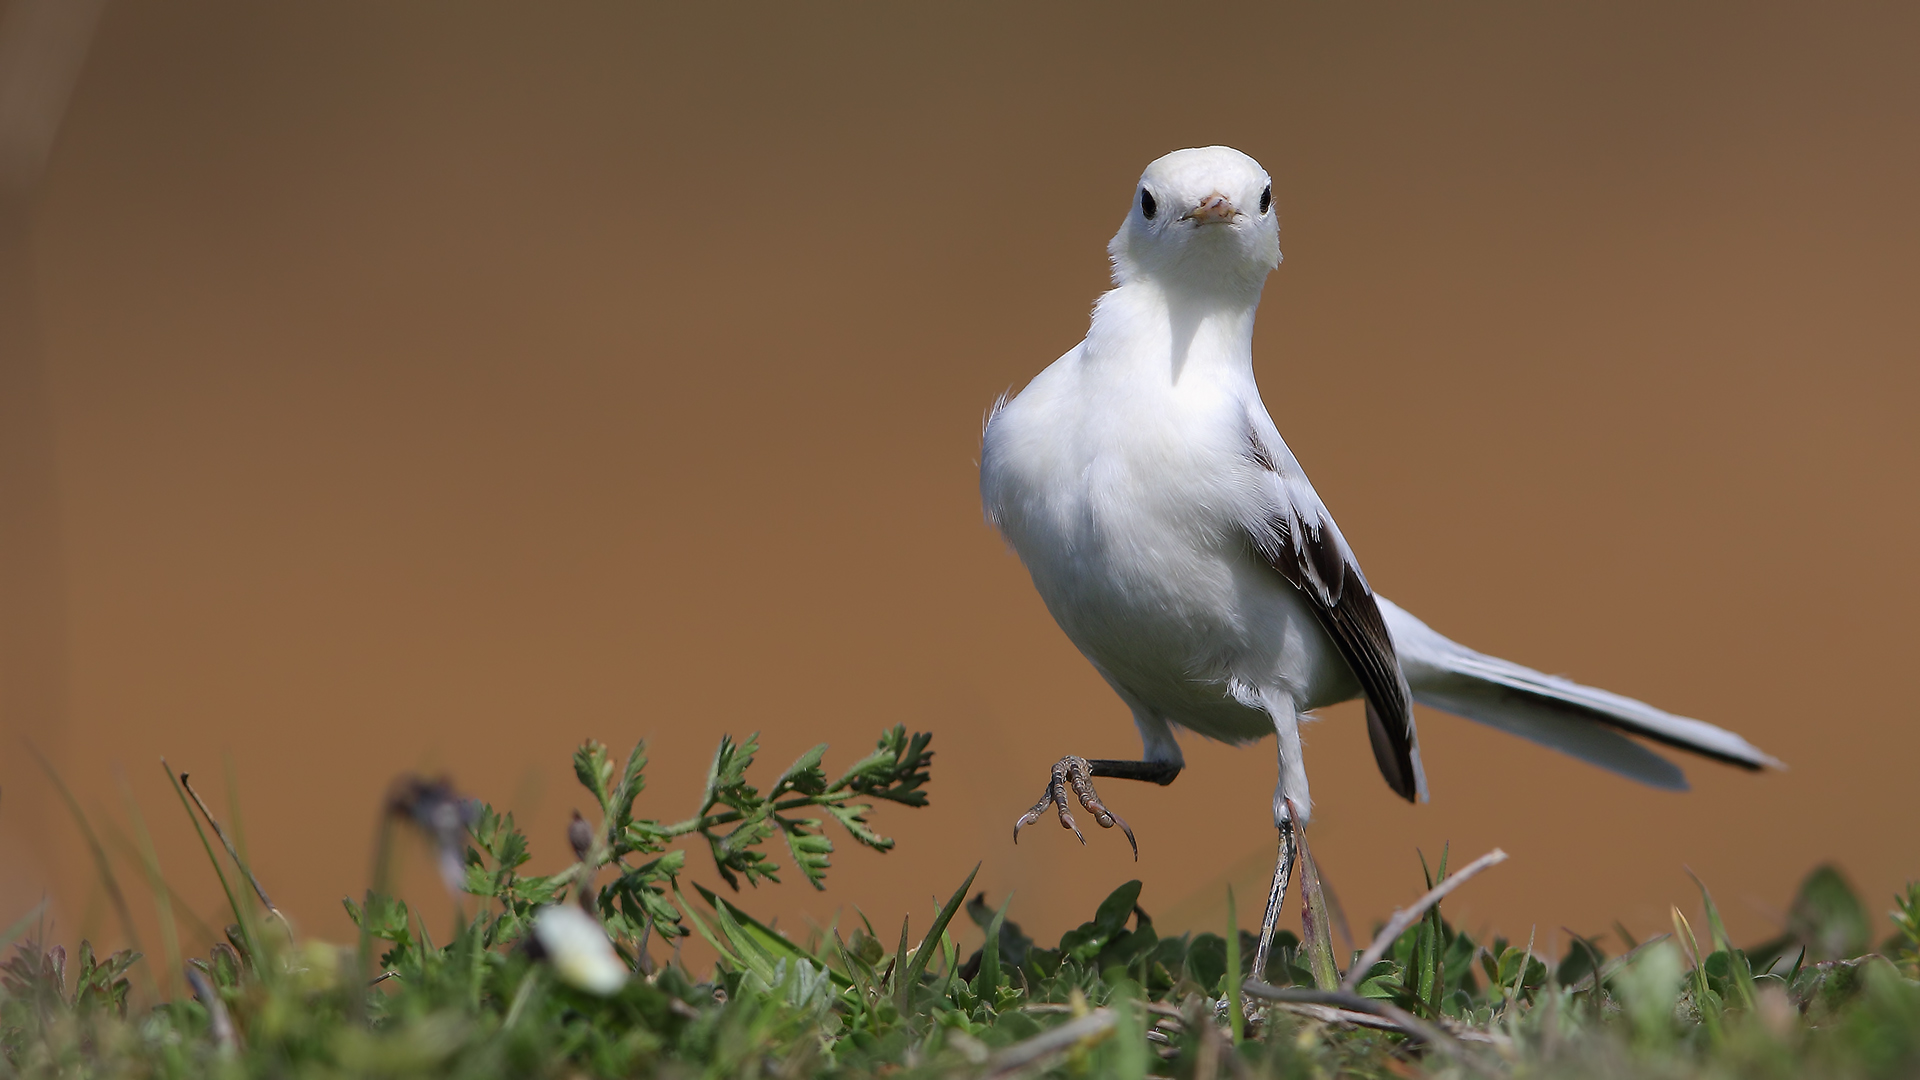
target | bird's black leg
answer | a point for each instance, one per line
(1276, 895)
(1153, 772)
(1076, 774)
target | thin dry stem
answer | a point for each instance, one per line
(234, 853)
(1407, 916)
(1022, 1055)
(1399, 1019)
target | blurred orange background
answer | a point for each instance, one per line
(429, 387)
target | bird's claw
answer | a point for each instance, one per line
(1075, 774)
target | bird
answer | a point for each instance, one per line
(1178, 543)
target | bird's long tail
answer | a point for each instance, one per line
(1582, 721)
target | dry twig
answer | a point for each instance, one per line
(232, 852)
(1401, 1020)
(1407, 916)
(1048, 1043)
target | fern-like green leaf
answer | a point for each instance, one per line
(809, 848)
(594, 769)
(804, 776)
(853, 818)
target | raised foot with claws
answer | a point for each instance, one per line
(1076, 773)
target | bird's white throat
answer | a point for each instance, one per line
(1141, 329)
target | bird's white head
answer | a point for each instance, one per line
(1202, 219)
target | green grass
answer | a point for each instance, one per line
(1112, 998)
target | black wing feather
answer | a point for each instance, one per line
(1312, 558)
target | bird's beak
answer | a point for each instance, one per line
(1215, 209)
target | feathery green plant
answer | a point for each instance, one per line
(1114, 998)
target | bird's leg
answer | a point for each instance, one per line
(1076, 774)
(1276, 895)
(1291, 805)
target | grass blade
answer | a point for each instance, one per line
(93, 846)
(1316, 930)
(1432, 942)
(1683, 933)
(1236, 1018)
(1626, 936)
(1737, 964)
(157, 884)
(897, 965)
(700, 925)
(903, 991)
(950, 955)
(757, 959)
(858, 980)
(12, 933)
(1526, 961)
(1607, 970)
(181, 907)
(760, 936)
(987, 982)
(1129, 1054)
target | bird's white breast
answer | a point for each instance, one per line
(1121, 477)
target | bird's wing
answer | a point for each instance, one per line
(1293, 532)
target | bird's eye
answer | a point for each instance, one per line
(1266, 198)
(1147, 206)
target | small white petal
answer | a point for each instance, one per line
(578, 949)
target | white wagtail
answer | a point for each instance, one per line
(1179, 544)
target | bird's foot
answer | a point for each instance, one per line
(1074, 773)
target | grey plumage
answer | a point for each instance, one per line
(1582, 721)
